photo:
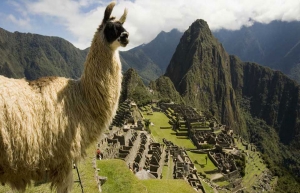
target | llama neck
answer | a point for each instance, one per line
(101, 80)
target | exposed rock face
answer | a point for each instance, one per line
(208, 78)
(273, 97)
(200, 70)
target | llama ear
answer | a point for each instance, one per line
(123, 18)
(108, 11)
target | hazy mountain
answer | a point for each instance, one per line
(276, 45)
(150, 60)
(33, 56)
(260, 104)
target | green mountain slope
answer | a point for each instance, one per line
(133, 88)
(33, 56)
(163, 89)
(150, 60)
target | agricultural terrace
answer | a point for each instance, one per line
(160, 120)
(122, 180)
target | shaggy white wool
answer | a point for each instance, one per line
(47, 124)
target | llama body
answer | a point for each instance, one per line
(47, 124)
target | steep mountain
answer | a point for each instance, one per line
(276, 45)
(163, 89)
(258, 103)
(150, 60)
(134, 88)
(199, 70)
(33, 56)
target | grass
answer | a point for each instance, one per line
(161, 120)
(121, 180)
(168, 186)
(200, 162)
(206, 187)
(222, 183)
(254, 167)
(168, 171)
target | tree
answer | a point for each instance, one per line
(147, 122)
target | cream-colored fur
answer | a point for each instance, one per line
(47, 124)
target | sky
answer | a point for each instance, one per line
(77, 20)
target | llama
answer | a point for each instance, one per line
(47, 124)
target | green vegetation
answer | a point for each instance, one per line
(206, 187)
(161, 120)
(164, 89)
(121, 180)
(274, 154)
(199, 160)
(223, 183)
(133, 88)
(147, 123)
(168, 186)
(34, 56)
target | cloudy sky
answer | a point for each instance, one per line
(77, 20)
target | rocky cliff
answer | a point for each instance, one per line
(200, 70)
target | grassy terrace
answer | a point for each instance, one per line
(254, 166)
(161, 120)
(254, 169)
(200, 163)
(121, 180)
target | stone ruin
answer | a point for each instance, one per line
(117, 144)
(153, 159)
(225, 162)
(131, 144)
(183, 167)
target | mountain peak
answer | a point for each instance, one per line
(199, 28)
(200, 22)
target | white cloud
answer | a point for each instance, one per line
(147, 18)
(21, 22)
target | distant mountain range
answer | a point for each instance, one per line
(33, 56)
(276, 45)
(151, 60)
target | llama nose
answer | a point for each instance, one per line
(124, 35)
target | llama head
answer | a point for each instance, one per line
(114, 32)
